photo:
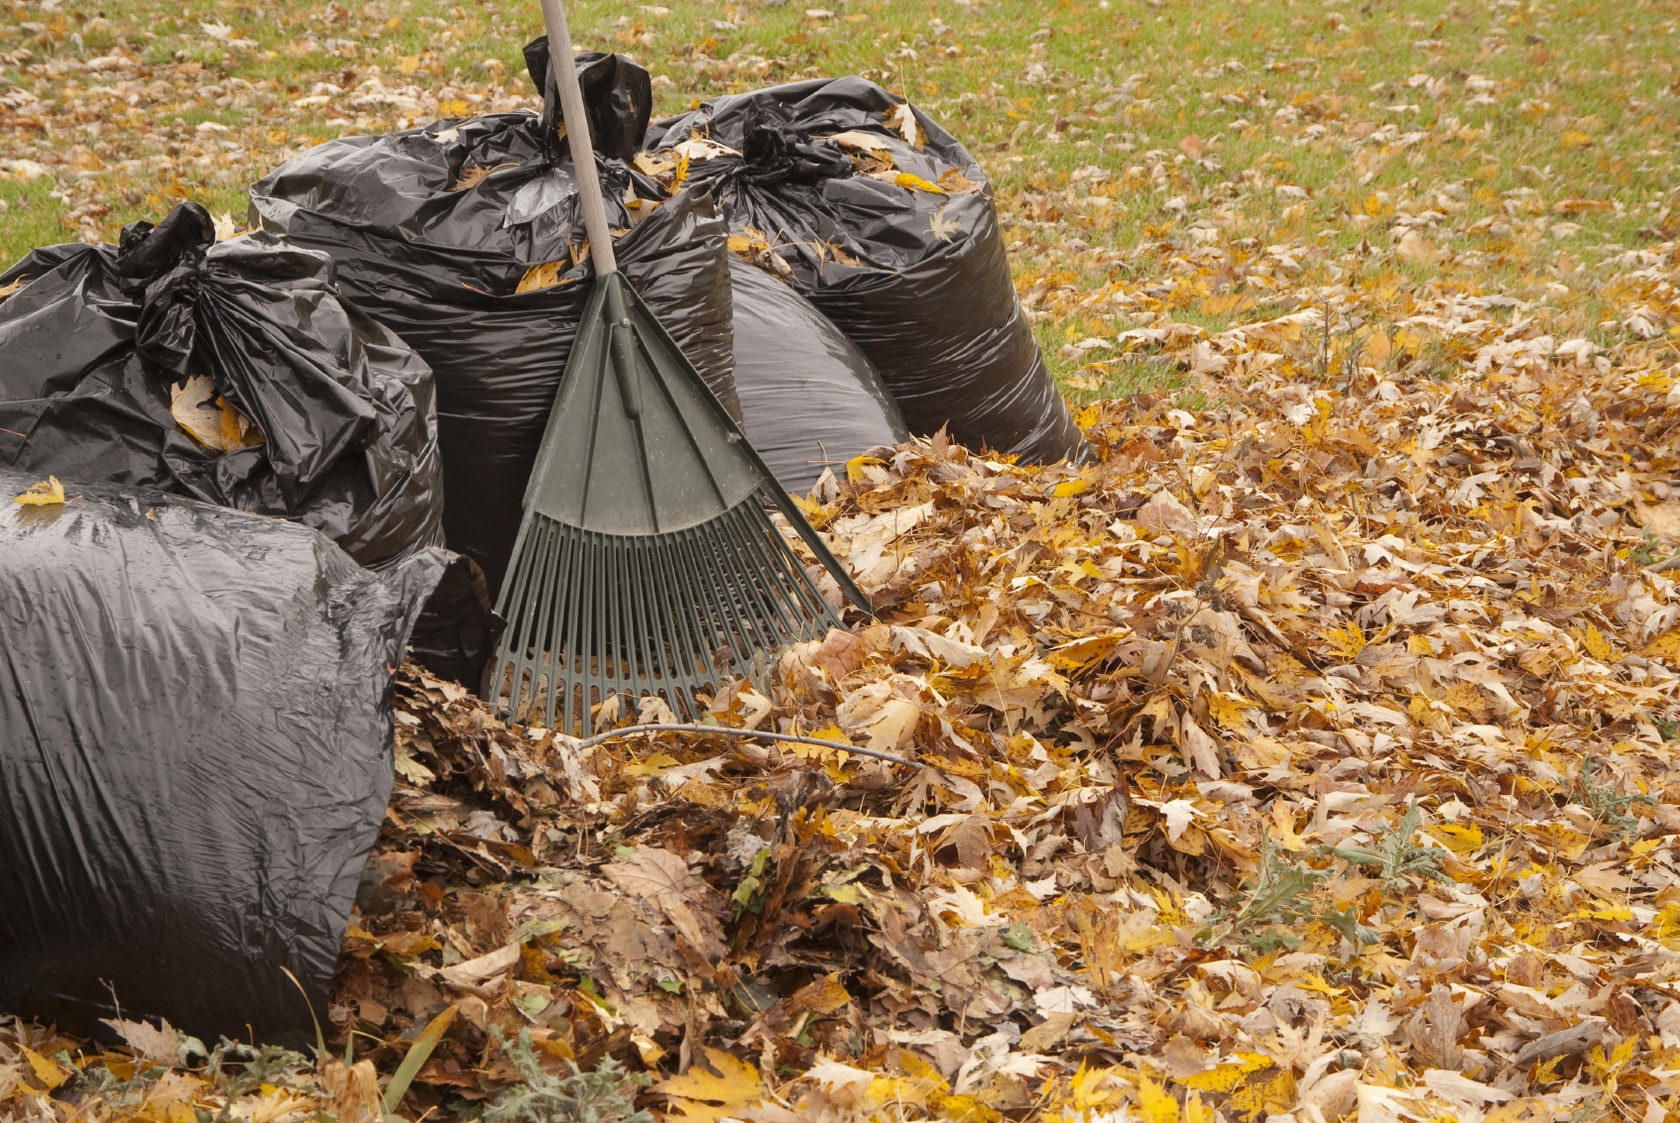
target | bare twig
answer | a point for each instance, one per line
(727, 731)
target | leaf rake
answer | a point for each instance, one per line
(647, 562)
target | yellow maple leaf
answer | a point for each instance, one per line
(1347, 641)
(48, 493)
(1283, 829)
(966, 1108)
(1226, 1077)
(544, 276)
(48, 1071)
(1410, 340)
(1270, 1090)
(1605, 1067)
(1462, 841)
(1087, 650)
(916, 183)
(1156, 1103)
(855, 473)
(1316, 983)
(1091, 1087)
(652, 765)
(1228, 708)
(699, 1094)
(1665, 646)
(1665, 926)
(1598, 646)
(1376, 350)
(1070, 487)
(1195, 1111)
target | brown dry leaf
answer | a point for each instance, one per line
(863, 141)
(1160, 825)
(203, 414)
(1165, 513)
(903, 121)
(354, 1090)
(944, 228)
(1663, 519)
(159, 1043)
(698, 147)
(956, 183)
(544, 276)
(1416, 249)
(472, 175)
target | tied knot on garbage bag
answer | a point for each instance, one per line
(304, 413)
(617, 93)
(883, 221)
(772, 154)
(229, 371)
(464, 237)
(162, 263)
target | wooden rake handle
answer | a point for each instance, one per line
(577, 131)
(589, 198)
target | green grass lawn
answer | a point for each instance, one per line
(1165, 169)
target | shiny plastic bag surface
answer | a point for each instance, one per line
(810, 399)
(464, 237)
(883, 220)
(195, 757)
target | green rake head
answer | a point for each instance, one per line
(647, 562)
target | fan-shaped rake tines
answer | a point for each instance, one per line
(647, 562)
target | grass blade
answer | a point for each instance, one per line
(416, 1058)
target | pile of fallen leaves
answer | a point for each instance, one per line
(1306, 758)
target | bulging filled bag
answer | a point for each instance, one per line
(465, 238)
(195, 756)
(883, 220)
(810, 399)
(231, 372)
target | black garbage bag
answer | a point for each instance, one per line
(463, 238)
(195, 757)
(809, 398)
(328, 418)
(883, 220)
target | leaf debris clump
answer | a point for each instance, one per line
(1312, 750)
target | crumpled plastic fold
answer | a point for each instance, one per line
(195, 757)
(915, 272)
(94, 340)
(435, 229)
(810, 400)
